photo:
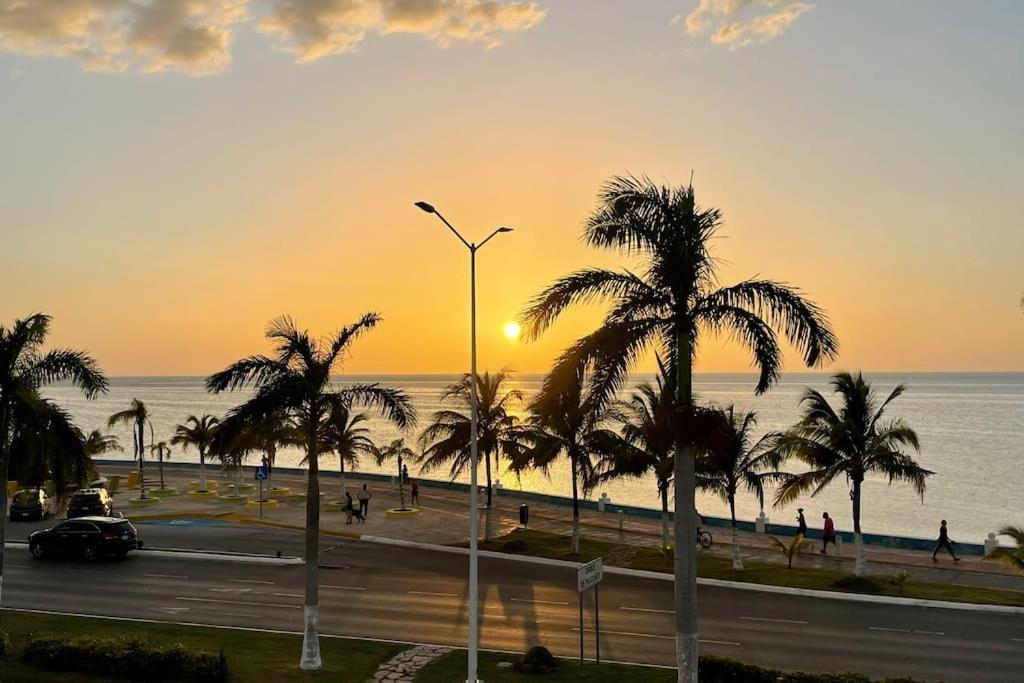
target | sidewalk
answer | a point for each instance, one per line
(443, 519)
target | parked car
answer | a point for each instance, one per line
(29, 504)
(85, 537)
(90, 502)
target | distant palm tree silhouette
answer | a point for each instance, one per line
(852, 442)
(98, 443)
(162, 452)
(346, 436)
(400, 453)
(135, 417)
(197, 432)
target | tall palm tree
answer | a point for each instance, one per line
(564, 423)
(400, 453)
(135, 418)
(296, 380)
(669, 307)
(98, 443)
(24, 368)
(197, 432)
(738, 463)
(47, 444)
(1014, 559)
(446, 440)
(346, 436)
(648, 423)
(852, 443)
(161, 450)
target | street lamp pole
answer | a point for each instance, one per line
(474, 521)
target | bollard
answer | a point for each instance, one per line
(761, 523)
(621, 518)
(498, 488)
(991, 543)
(602, 502)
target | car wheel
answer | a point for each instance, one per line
(89, 553)
(36, 550)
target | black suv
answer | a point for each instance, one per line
(29, 504)
(85, 537)
(90, 502)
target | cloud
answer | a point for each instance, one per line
(738, 23)
(118, 35)
(312, 29)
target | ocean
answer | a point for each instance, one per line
(971, 428)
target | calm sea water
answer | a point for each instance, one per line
(971, 428)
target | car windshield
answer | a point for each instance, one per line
(26, 497)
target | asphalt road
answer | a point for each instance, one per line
(379, 591)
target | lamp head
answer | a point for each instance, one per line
(426, 207)
(504, 229)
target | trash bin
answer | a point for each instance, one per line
(113, 483)
(524, 514)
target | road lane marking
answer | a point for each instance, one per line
(1017, 640)
(652, 635)
(265, 583)
(718, 642)
(233, 591)
(345, 588)
(930, 633)
(437, 595)
(539, 602)
(645, 609)
(240, 602)
(288, 595)
(889, 630)
(776, 621)
(166, 576)
(246, 615)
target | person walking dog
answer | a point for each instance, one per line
(364, 502)
(828, 534)
(944, 542)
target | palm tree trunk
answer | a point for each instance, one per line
(5, 458)
(488, 511)
(575, 507)
(341, 475)
(860, 565)
(684, 555)
(160, 465)
(311, 632)
(665, 542)
(737, 561)
(202, 468)
(140, 446)
(401, 485)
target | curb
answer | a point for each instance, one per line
(195, 554)
(714, 583)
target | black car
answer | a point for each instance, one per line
(29, 504)
(90, 502)
(85, 537)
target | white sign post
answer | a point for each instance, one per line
(588, 576)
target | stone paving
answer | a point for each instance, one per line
(402, 668)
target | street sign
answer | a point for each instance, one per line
(261, 473)
(589, 575)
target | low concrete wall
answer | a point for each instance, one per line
(904, 542)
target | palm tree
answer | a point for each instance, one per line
(446, 441)
(565, 423)
(737, 464)
(347, 437)
(24, 369)
(46, 444)
(1014, 559)
(791, 548)
(198, 432)
(669, 307)
(296, 381)
(135, 417)
(98, 443)
(400, 453)
(854, 442)
(648, 425)
(162, 450)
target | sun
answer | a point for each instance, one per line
(512, 330)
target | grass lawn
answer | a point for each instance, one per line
(251, 656)
(542, 544)
(452, 669)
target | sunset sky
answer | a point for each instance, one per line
(175, 173)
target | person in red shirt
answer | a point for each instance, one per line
(828, 534)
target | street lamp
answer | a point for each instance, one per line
(474, 615)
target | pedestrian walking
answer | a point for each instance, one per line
(801, 523)
(415, 493)
(828, 534)
(349, 507)
(405, 474)
(944, 542)
(364, 502)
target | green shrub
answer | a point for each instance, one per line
(127, 657)
(538, 660)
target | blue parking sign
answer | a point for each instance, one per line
(261, 473)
